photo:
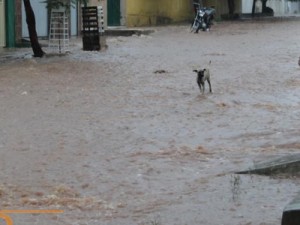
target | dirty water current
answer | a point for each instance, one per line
(124, 136)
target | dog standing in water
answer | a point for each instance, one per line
(202, 76)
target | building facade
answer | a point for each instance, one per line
(155, 12)
(133, 13)
(280, 7)
(129, 13)
(13, 26)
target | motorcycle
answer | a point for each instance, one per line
(203, 18)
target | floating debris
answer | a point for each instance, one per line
(160, 71)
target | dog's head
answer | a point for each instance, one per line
(200, 72)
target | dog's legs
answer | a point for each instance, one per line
(203, 84)
(199, 84)
(208, 80)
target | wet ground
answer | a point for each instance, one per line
(124, 136)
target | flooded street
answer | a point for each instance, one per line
(124, 136)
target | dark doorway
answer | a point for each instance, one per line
(114, 12)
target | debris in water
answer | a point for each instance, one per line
(160, 71)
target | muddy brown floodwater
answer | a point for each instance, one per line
(124, 136)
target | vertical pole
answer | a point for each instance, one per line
(253, 8)
(10, 24)
(2, 24)
(85, 3)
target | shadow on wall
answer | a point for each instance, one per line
(161, 20)
(140, 21)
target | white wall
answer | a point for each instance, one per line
(292, 8)
(280, 7)
(74, 20)
(246, 6)
(41, 18)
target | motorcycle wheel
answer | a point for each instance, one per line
(195, 26)
(198, 27)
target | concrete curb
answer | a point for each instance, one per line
(120, 31)
(289, 164)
